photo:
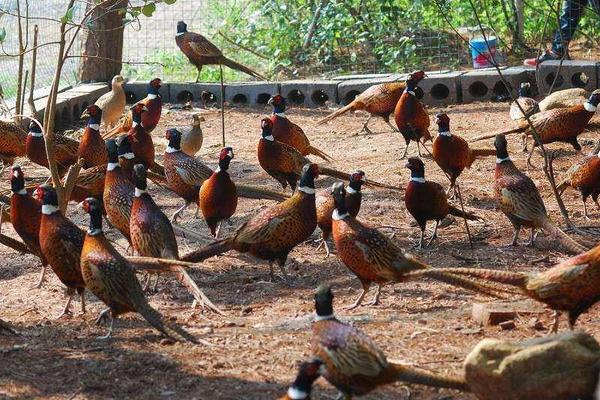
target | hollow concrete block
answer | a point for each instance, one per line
(309, 93)
(250, 93)
(136, 91)
(441, 88)
(348, 89)
(486, 84)
(568, 75)
(206, 93)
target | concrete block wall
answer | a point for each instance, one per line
(441, 88)
(349, 88)
(568, 75)
(309, 93)
(250, 93)
(485, 84)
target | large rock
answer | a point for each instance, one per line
(559, 367)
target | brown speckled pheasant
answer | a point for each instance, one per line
(218, 194)
(113, 103)
(89, 183)
(558, 125)
(61, 242)
(110, 278)
(326, 205)
(12, 142)
(65, 149)
(285, 131)
(571, 286)
(118, 192)
(140, 139)
(519, 199)
(353, 363)
(200, 52)
(584, 176)
(192, 137)
(308, 372)
(528, 104)
(284, 163)
(25, 215)
(452, 153)
(374, 258)
(91, 145)
(272, 233)
(185, 175)
(427, 201)
(378, 100)
(411, 118)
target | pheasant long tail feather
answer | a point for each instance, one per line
(159, 179)
(563, 185)
(569, 244)
(186, 280)
(234, 65)
(14, 244)
(158, 169)
(336, 114)
(5, 327)
(210, 250)
(516, 279)
(254, 192)
(478, 153)
(316, 152)
(453, 280)
(459, 213)
(411, 375)
(491, 135)
(155, 319)
(345, 176)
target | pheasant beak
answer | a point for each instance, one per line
(85, 115)
(271, 100)
(37, 193)
(407, 165)
(230, 154)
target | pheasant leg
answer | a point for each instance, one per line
(529, 164)
(434, 235)
(102, 316)
(179, 212)
(361, 296)
(375, 300)
(585, 211)
(82, 302)
(41, 279)
(554, 328)
(516, 236)
(218, 230)
(391, 126)
(531, 239)
(420, 244)
(365, 127)
(67, 309)
(110, 329)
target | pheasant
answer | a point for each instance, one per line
(571, 286)
(326, 205)
(519, 199)
(272, 233)
(140, 139)
(25, 215)
(118, 192)
(12, 142)
(427, 201)
(308, 372)
(65, 149)
(558, 125)
(563, 99)
(91, 145)
(200, 52)
(112, 103)
(185, 176)
(373, 257)
(452, 153)
(89, 183)
(284, 163)
(353, 363)
(127, 158)
(410, 115)
(60, 243)
(285, 131)
(110, 278)
(218, 195)
(528, 104)
(153, 104)
(378, 100)
(192, 138)
(584, 176)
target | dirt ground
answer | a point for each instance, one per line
(266, 330)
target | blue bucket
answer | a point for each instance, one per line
(481, 54)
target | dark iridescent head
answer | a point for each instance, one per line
(34, 127)
(594, 98)
(154, 86)
(181, 27)
(338, 191)
(525, 89)
(278, 103)
(93, 207)
(413, 79)
(46, 194)
(174, 138)
(308, 372)
(443, 122)
(267, 127)
(112, 150)
(17, 179)
(93, 113)
(136, 112)
(357, 179)
(416, 167)
(124, 146)
(139, 176)
(225, 157)
(501, 146)
(324, 301)
(309, 173)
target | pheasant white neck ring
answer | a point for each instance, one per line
(95, 127)
(180, 34)
(337, 216)
(139, 192)
(152, 96)
(94, 232)
(127, 156)
(501, 160)
(36, 134)
(49, 209)
(445, 133)
(134, 124)
(323, 317)
(349, 190)
(296, 394)
(21, 192)
(411, 92)
(281, 114)
(417, 179)
(589, 107)
(270, 138)
(111, 166)
(171, 149)
(306, 189)
(217, 170)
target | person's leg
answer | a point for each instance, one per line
(572, 11)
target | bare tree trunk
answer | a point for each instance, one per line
(520, 31)
(104, 42)
(313, 24)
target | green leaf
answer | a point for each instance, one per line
(170, 1)
(68, 17)
(2, 34)
(149, 9)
